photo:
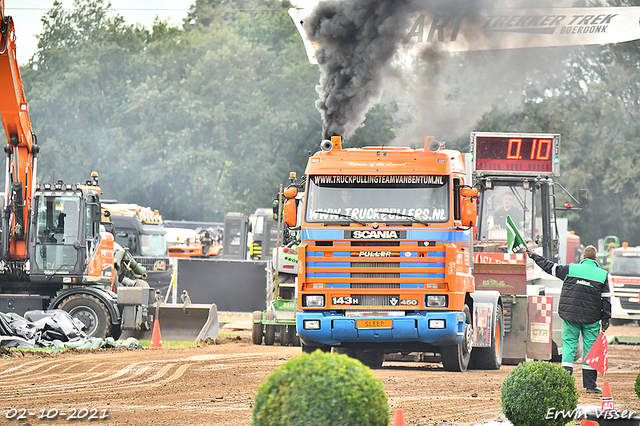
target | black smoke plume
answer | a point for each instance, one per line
(358, 39)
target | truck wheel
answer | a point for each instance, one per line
(456, 357)
(284, 335)
(116, 331)
(490, 358)
(269, 330)
(310, 349)
(293, 335)
(370, 358)
(90, 311)
(256, 331)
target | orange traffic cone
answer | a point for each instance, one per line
(607, 399)
(398, 420)
(156, 338)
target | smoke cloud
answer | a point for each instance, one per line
(363, 52)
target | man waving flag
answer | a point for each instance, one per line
(515, 242)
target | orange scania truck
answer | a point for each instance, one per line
(384, 264)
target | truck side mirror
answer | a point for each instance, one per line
(289, 212)
(290, 192)
(469, 192)
(468, 211)
(583, 198)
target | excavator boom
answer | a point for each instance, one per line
(21, 147)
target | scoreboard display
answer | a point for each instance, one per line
(528, 154)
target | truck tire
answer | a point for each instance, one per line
(116, 331)
(91, 312)
(371, 358)
(490, 358)
(284, 335)
(294, 339)
(269, 330)
(456, 357)
(256, 331)
(307, 349)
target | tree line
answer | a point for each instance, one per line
(210, 117)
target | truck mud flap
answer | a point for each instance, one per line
(188, 322)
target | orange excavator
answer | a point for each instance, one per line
(54, 253)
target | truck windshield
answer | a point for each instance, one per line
(402, 198)
(626, 264)
(498, 202)
(57, 228)
(153, 245)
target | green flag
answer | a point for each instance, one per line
(515, 242)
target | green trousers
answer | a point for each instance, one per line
(570, 335)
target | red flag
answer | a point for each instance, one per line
(597, 356)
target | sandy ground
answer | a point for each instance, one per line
(215, 385)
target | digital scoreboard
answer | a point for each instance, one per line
(516, 153)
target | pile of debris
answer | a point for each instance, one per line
(54, 329)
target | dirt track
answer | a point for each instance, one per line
(215, 384)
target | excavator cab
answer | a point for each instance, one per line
(65, 234)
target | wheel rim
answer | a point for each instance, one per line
(86, 316)
(468, 337)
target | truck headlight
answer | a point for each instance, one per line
(437, 323)
(313, 301)
(311, 324)
(436, 301)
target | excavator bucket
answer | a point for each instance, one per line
(188, 321)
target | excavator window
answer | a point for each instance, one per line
(92, 224)
(58, 223)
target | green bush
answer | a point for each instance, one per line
(321, 389)
(636, 387)
(534, 391)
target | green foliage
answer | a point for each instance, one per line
(195, 121)
(593, 104)
(321, 389)
(636, 386)
(532, 389)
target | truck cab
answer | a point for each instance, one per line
(385, 255)
(140, 230)
(624, 280)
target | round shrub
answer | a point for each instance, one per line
(321, 389)
(534, 392)
(636, 387)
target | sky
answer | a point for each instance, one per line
(28, 13)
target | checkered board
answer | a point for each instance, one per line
(542, 307)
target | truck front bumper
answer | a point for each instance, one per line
(332, 328)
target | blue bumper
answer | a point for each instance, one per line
(335, 329)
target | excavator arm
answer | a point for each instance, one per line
(21, 148)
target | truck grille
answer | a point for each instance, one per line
(375, 265)
(376, 299)
(374, 275)
(624, 302)
(374, 285)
